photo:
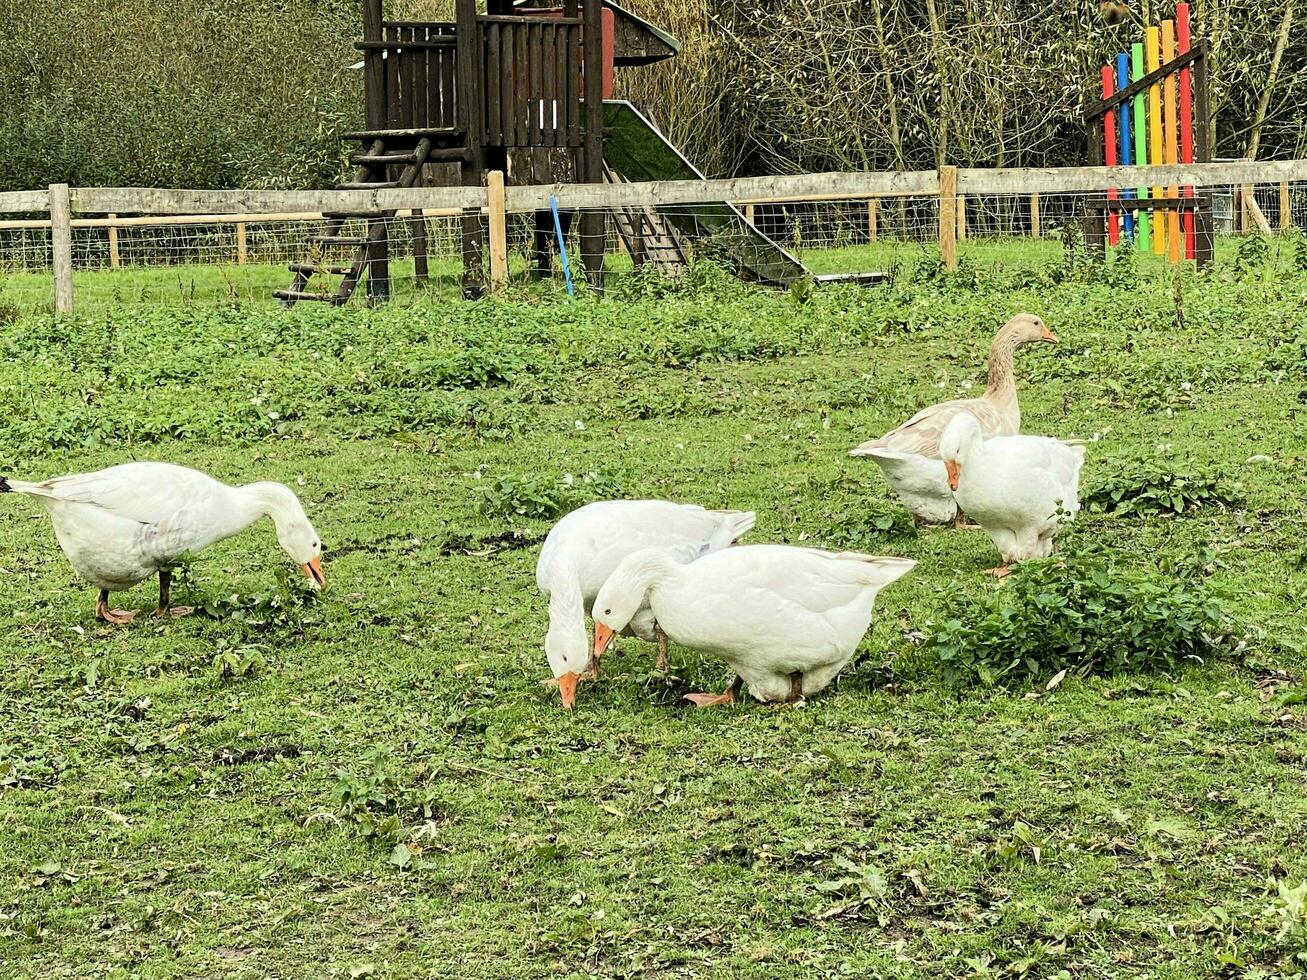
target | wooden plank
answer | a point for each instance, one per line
(1286, 207)
(498, 229)
(254, 205)
(872, 208)
(14, 202)
(1071, 180)
(260, 205)
(507, 78)
(115, 260)
(494, 118)
(571, 86)
(535, 40)
(394, 119)
(948, 216)
(1034, 215)
(448, 90)
(374, 68)
(61, 247)
(962, 218)
(521, 84)
(411, 70)
(242, 245)
(1115, 100)
(549, 85)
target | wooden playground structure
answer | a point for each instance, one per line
(520, 94)
(1154, 110)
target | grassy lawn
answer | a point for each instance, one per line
(375, 782)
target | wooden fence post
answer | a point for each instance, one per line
(962, 218)
(871, 219)
(948, 216)
(748, 213)
(1034, 215)
(498, 229)
(114, 259)
(242, 245)
(61, 247)
(1286, 207)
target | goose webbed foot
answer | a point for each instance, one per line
(711, 700)
(166, 609)
(1002, 571)
(115, 617)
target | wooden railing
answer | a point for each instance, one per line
(951, 185)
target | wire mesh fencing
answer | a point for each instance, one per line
(420, 256)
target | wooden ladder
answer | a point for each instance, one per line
(647, 235)
(371, 174)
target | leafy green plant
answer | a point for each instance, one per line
(1288, 912)
(247, 661)
(1086, 615)
(1252, 254)
(1156, 485)
(527, 496)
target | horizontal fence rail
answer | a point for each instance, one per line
(949, 200)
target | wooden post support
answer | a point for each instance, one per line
(498, 229)
(1286, 207)
(962, 219)
(242, 245)
(61, 247)
(1034, 216)
(114, 259)
(592, 150)
(948, 216)
(748, 213)
(871, 219)
(418, 228)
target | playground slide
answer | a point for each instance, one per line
(639, 152)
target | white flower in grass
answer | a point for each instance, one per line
(580, 426)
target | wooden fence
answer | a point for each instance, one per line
(950, 185)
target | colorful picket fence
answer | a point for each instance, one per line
(1154, 111)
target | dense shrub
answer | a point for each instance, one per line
(1085, 614)
(1158, 484)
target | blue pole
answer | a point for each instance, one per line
(1126, 134)
(562, 247)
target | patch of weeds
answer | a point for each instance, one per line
(239, 662)
(1251, 257)
(1086, 615)
(285, 607)
(528, 496)
(861, 890)
(1136, 485)
(1288, 912)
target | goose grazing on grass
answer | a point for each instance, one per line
(121, 525)
(909, 455)
(785, 619)
(1018, 488)
(582, 550)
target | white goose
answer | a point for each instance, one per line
(584, 547)
(785, 619)
(1018, 488)
(909, 455)
(121, 525)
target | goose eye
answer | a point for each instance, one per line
(608, 612)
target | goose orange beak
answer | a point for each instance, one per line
(567, 688)
(603, 637)
(1048, 336)
(954, 471)
(313, 572)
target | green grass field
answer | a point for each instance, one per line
(374, 782)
